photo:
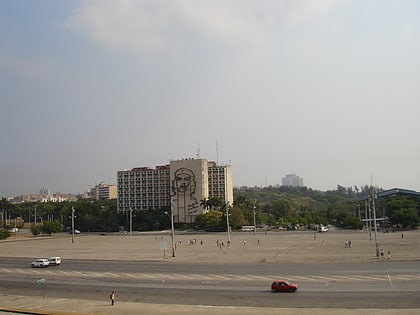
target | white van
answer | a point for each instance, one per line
(248, 228)
(54, 261)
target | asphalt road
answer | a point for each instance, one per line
(208, 279)
(378, 285)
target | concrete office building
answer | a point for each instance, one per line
(292, 180)
(182, 184)
(103, 191)
(143, 188)
(220, 182)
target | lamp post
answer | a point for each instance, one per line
(255, 221)
(227, 223)
(131, 221)
(172, 230)
(374, 222)
(72, 224)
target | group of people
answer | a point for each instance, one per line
(383, 254)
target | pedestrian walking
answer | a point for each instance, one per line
(112, 297)
(389, 255)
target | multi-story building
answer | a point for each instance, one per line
(182, 185)
(103, 191)
(220, 182)
(292, 180)
(143, 188)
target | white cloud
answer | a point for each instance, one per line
(156, 25)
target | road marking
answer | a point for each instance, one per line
(390, 282)
(324, 278)
(130, 275)
(212, 277)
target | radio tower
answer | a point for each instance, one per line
(217, 153)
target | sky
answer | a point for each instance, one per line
(326, 89)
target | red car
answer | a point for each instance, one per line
(283, 285)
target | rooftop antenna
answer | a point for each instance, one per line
(217, 153)
(197, 155)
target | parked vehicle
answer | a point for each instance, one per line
(283, 285)
(40, 263)
(54, 261)
(248, 228)
(322, 228)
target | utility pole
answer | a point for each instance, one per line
(72, 224)
(131, 221)
(227, 223)
(374, 222)
(172, 230)
(255, 221)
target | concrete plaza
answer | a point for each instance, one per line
(271, 246)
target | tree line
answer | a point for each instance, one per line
(286, 207)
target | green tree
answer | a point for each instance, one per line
(403, 211)
(210, 221)
(49, 227)
(236, 218)
(4, 233)
(281, 207)
(406, 217)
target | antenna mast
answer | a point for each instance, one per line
(197, 155)
(217, 153)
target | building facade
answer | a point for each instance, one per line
(103, 191)
(143, 188)
(220, 182)
(189, 185)
(292, 180)
(182, 185)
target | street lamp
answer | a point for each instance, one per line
(131, 221)
(172, 230)
(227, 223)
(255, 222)
(374, 222)
(72, 224)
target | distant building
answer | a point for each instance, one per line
(292, 180)
(182, 184)
(103, 191)
(57, 197)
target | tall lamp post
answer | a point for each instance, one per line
(255, 221)
(375, 226)
(227, 223)
(172, 230)
(72, 224)
(131, 221)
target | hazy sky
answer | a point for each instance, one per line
(329, 90)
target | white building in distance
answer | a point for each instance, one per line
(292, 180)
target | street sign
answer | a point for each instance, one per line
(40, 281)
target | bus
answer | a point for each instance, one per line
(248, 228)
